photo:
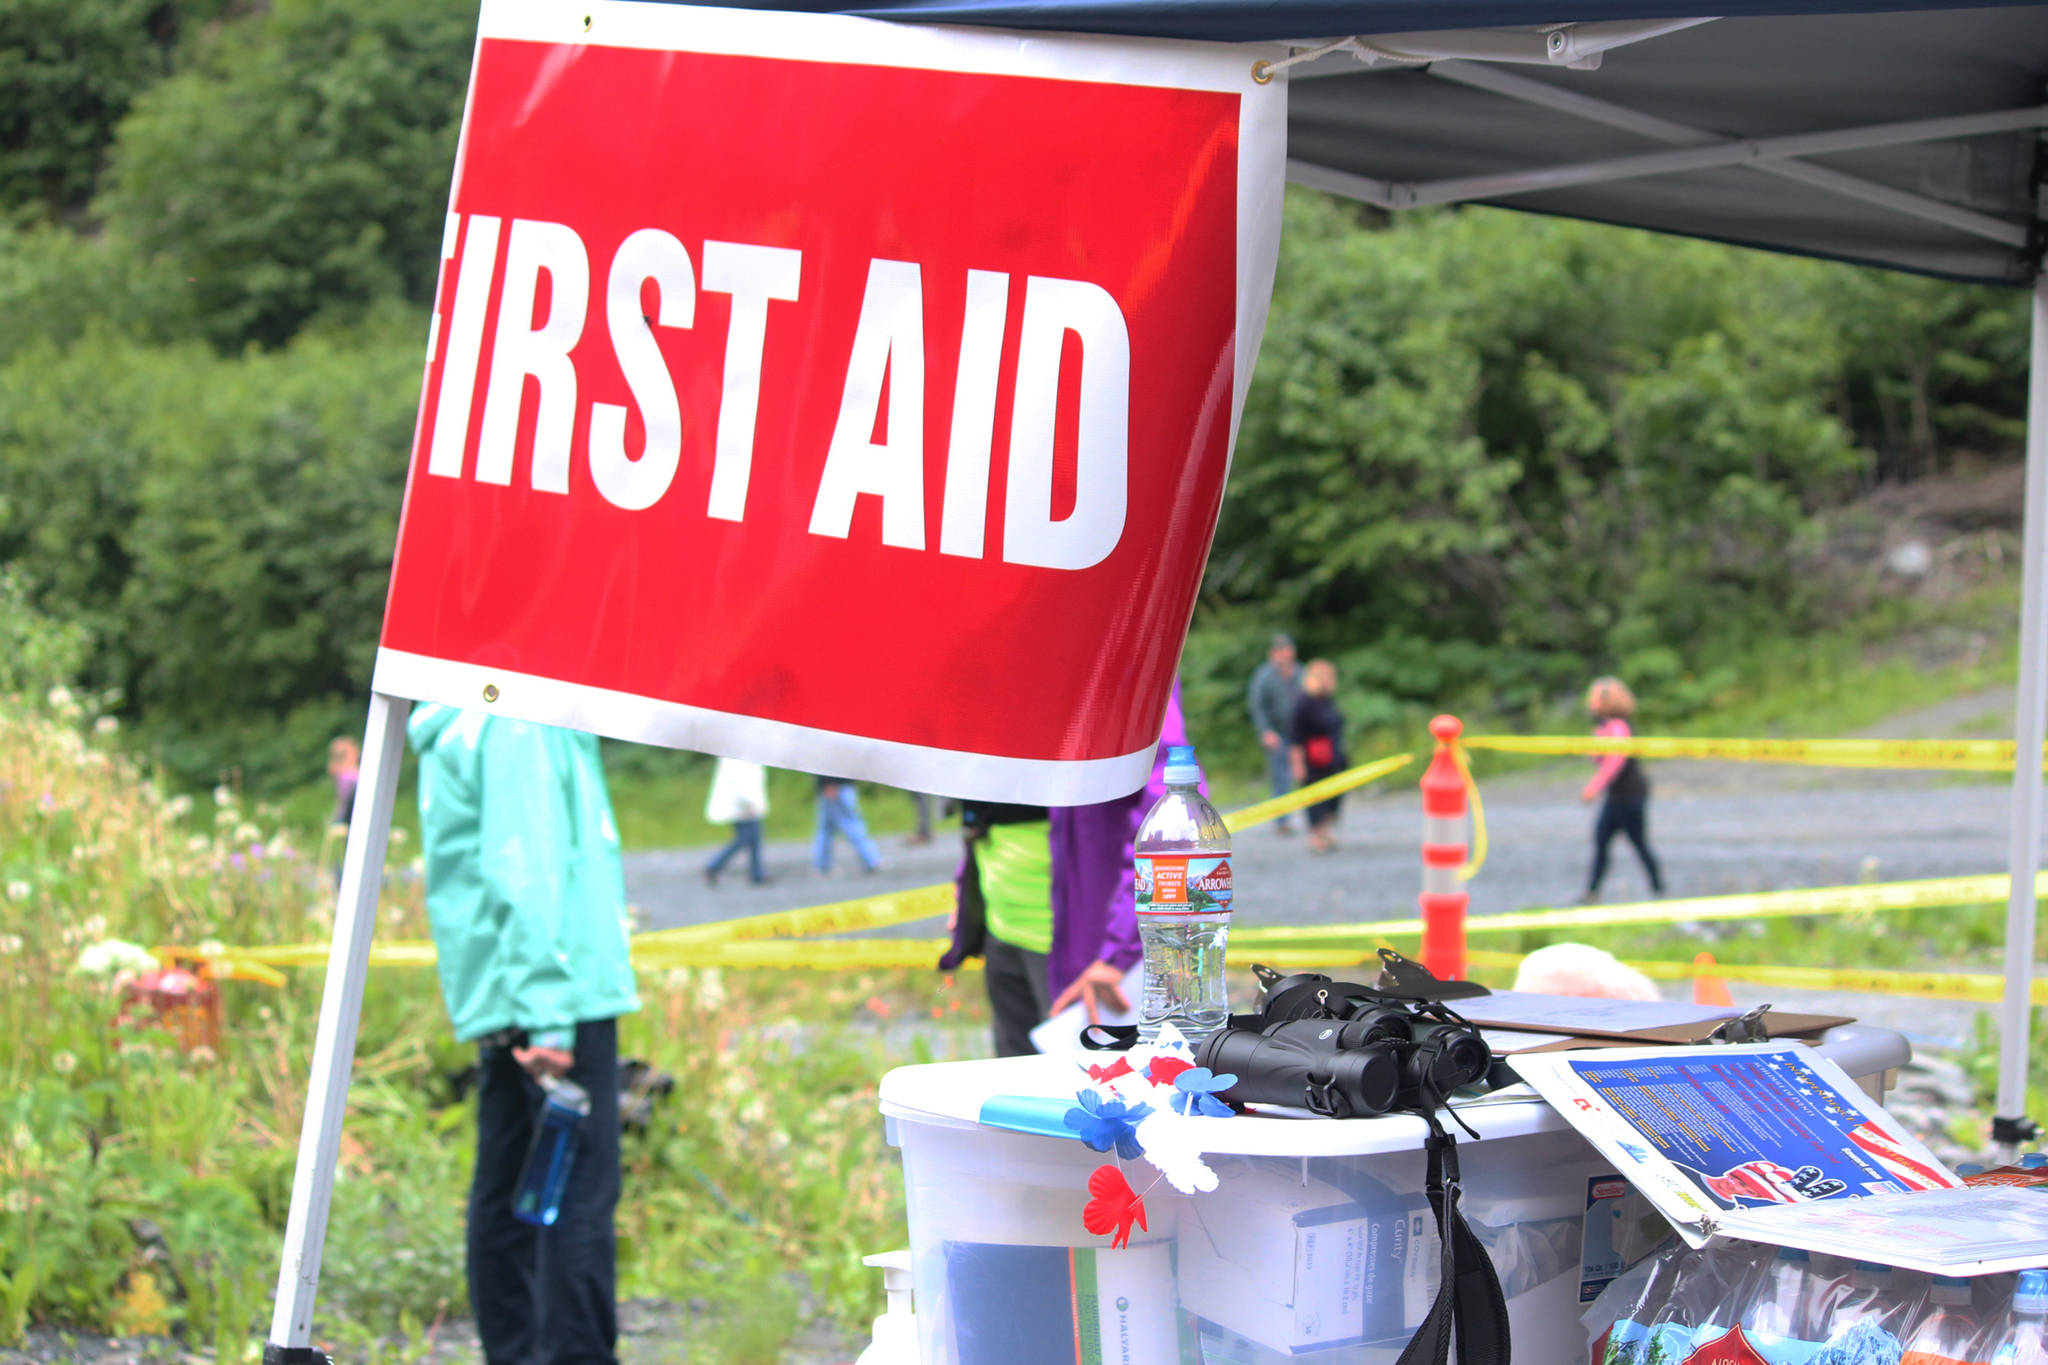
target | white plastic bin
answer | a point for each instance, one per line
(1317, 1246)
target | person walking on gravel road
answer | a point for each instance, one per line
(1620, 783)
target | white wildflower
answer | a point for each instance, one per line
(95, 926)
(61, 699)
(64, 1063)
(105, 725)
(24, 1140)
(223, 795)
(246, 833)
(10, 944)
(17, 890)
(711, 988)
(92, 758)
(178, 807)
(198, 843)
(114, 956)
(211, 948)
(203, 1056)
(398, 834)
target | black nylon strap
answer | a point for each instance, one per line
(1468, 1296)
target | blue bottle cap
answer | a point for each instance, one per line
(2031, 1296)
(2034, 1161)
(1181, 767)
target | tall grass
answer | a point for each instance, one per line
(143, 1189)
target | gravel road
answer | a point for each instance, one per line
(1717, 827)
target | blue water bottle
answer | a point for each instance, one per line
(538, 1197)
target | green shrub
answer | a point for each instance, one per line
(299, 165)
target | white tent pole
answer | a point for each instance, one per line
(1732, 152)
(1528, 90)
(334, 1047)
(2010, 1127)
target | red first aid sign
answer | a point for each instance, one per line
(835, 394)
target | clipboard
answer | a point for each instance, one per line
(1590, 1022)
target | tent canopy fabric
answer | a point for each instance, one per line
(1658, 130)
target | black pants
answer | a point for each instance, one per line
(1323, 813)
(1620, 815)
(546, 1296)
(1017, 995)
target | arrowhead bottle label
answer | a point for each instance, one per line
(1177, 884)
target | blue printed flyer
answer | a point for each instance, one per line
(1775, 1144)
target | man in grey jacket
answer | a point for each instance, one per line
(1275, 688)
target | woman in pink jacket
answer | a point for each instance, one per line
(1627, 791)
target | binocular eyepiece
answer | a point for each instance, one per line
(1344, 1050)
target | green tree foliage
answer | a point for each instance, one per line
(60, 285)
(300, 164)
(1486, 453)
(36, 653)
(69, 71)
(223, 525)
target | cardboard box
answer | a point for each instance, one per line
(1030, 1305)
(1303, 1265)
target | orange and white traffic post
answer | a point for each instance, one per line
(1443, 897)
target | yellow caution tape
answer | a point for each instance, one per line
(1829, 900)
(397, 953)
(835, 954)
(237, 968)
(1961, 755)
(1302, 797)
(692, 947)
(1982, 987)
(841, 917)
(1478, 858)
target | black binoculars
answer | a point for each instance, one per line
(1344, 1050)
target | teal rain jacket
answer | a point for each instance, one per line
(525, 888)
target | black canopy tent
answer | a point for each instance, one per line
(1909, 137)
(1897, 136)
(1913, 138)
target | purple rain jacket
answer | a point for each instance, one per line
(1094, 915)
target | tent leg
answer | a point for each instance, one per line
(334, 1048)
(2010, 1125)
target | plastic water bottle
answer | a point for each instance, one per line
(1780, 1311)
(1856, 1330)
(1949, 1330)
(2026, 1339)
(537, 1199)
(1182, 854)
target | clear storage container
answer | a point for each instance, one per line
(1317, 1246)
